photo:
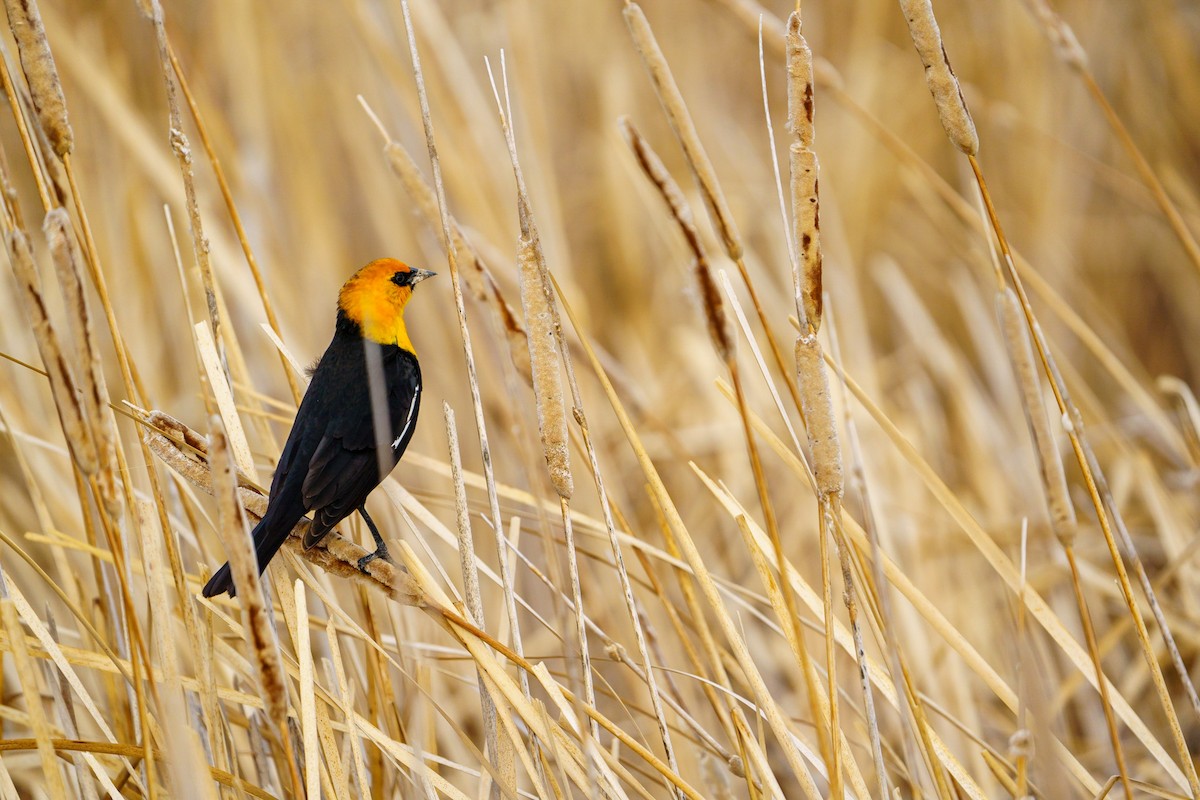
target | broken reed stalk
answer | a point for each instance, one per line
(499, 749)
(465, 334)
(186, 452)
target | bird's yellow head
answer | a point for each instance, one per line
(374, 298)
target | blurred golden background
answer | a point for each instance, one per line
(1092, 167)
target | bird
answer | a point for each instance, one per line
(335, 455)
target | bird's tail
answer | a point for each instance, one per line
(220, 583)
(269, 535)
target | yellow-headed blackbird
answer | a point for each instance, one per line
(334, 455)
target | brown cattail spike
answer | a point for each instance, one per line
(943, 84)
(40, 73)
(94, 392)
(800, 83)
(818, 415)
(547, 375)
(806, 223)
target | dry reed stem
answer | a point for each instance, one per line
(681, 122)
(805, 171)
(37, 62)
(183, 154)
(500, 752)
(939, 76)
(689, 139)
(720, 330)
(243, 564)
(969, 215)
(231, 207)
(1006, 570)
(879, 604)
(28, 681)
(704, 579)
(1067, 47)
(465, 336)
(67, 402)
(1106, 507)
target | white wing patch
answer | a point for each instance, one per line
(412, 406)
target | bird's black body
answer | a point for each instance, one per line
(331, 461)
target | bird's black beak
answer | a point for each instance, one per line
(419, 275)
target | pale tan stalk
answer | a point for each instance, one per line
(939, 76)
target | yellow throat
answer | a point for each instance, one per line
(376, 303)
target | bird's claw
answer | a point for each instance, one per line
(380, 552)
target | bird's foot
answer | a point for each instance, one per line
(380, 552)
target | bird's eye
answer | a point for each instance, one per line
(402, 278)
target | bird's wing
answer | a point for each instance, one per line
(345, 466)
